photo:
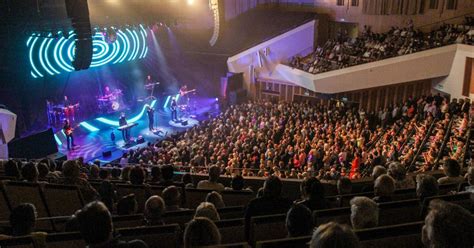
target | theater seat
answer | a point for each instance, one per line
(235, 212)
(125, 221)
(299, 242)
(267, 227)
(62, 200)
(65, 240)
(17, 242)
(232, 231)
(4, 208)
(404, 235)
(339, 215)
(464, 199)
(178, 217)
(194, 197)
(237, 198)
(142, 193)
(398, 212)
(155, 236)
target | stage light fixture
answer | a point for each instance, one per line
(190, 2)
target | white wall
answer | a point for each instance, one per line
(453, 83)
(433, 63)
(298, 41)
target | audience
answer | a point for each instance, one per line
(453, 172)
(364, 213)
(96, 227)
(216, 199)
(448, 225)
(398, 172)
(212, 183)
(29, 172)
(137, 175)
(332, 235)
(201, 232)
(127, 205)
(312, 192)
(208, 210)
(71, 172)
(426, 186)
(23, 219)
(172, 197)
(154, 210)
(299, 221)
(344, 186)
(384, 186)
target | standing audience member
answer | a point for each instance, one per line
(334, 235)
(212, 183)
(364, 213)
(96, 228)
(448, 225)
(299, 221)
(201, 232)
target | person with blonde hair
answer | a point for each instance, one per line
(208, 210)
(332, 234)
(364, 213)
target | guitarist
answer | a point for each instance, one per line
(174, 109)
(67, 128)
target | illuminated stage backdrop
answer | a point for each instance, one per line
(52, 56)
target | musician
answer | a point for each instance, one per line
(67, 128)
(148, 80)
(183, 90)
(66, 101)
(151, 118)
(107, 92)
(125, 131)
(174, 109)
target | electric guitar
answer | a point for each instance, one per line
(183, 93)
(68, 131)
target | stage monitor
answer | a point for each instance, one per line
(35, 146)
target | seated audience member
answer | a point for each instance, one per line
(137, 175)
(23, 219)
(154, 210)
(201, 232)
(11, 169)
(312, 191)
(448, 225)
(94, 172)
(426, 186)
(208, 210)
(71, 172)
(271, 201)
(127, 205)
(125, 174)
(43, 172)
(299, 221)
(104, 174)
(155, 174)
(377, 171)
(187, 180)
(29, 172)
(334, 235)
(452, 170)
(172, 197)
(384, 186)
(96, 228)
(216, 199)
(237, 183)
(167, 173)
(116, 173)
(344, 186)
(364, 213)
(470, 175)
(398, 172)
(108, 194)
(212, 183)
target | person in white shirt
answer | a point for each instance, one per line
(212, 184)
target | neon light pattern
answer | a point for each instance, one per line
(88, 126)
(51, 56)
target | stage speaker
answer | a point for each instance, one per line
(78, 12)
(184, 123)
(106, 154)
(36, 146)
(238, 97)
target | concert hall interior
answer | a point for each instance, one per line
(237, 123)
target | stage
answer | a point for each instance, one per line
(93, 137)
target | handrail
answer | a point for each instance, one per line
(442, 21)
(422, 144)
(466, 146)
(443, 145)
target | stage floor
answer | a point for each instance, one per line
(93, 137)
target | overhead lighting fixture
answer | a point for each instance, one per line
(190, 2)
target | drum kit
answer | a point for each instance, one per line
(110, 103)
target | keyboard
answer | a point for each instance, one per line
(128, 126)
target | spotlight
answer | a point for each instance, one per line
(217, 99)
(190, 2)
